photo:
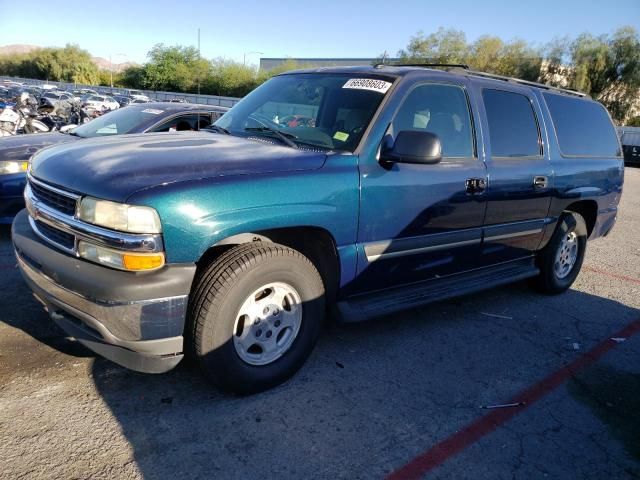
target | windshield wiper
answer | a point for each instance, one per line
(218, 129)
(70, 132)
(285, 137)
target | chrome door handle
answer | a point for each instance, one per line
(475, 185)
(540, 182)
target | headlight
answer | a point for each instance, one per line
(119, 216)
(131, 261)
(7, 167)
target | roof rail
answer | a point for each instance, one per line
(423, 65)
(524, 82)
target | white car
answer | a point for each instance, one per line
(101, 102)
(136, 95)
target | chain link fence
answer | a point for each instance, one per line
(155, 96)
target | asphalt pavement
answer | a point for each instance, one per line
(405, 396)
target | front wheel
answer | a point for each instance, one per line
(256, 314)
(561, 259)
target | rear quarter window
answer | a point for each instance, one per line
(583, 127)
(513, 127)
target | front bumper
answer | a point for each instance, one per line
(135, 320)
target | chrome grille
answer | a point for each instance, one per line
(56, 236)
(52, 198)
(52, 217)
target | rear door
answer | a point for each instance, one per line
(520, 174)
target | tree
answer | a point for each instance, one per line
(176, 68)
(68, 64)
(443, 46)
(606, 67)
(233, 79)
(132, 77)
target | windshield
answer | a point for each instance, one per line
(120, 121)
(328, 111)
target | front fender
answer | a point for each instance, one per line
(197, 215)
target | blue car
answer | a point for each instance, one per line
(351, 192)
(15, 151)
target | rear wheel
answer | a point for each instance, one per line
(256, 314)
(560, 261)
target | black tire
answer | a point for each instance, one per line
(217, 298)
(548, 281)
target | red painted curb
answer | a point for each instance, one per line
(612, 275)
(449, 447)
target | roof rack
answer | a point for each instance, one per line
(524, 82)
(423, 65)
(476, 73)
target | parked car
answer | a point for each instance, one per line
(53, 97)
(83, 93)
(136, 94)
(122, 100)
(630, 139)
(100, 102)
(151, 117)
(411, 185)
(32, 90)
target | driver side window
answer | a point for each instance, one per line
(439, 109)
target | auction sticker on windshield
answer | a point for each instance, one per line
(368, 84)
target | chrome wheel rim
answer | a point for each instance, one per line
(267, 323)
(567, 255)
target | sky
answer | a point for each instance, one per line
(127, 30)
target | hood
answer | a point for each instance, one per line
(21, 147)
(114, 168)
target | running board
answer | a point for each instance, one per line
(384, 302)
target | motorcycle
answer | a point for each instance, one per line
(65, 116)
(21, 118)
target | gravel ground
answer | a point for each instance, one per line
(371, 398)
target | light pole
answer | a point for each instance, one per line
(111, 67)
(244, 56)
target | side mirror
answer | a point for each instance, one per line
(412, 146)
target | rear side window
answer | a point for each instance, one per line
(583, 127)
(513, 129)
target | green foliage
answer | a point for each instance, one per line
(178, 69)
(68, 64)
(488, 53)
(131, 77)
(633, 121)
(231, 79)
(606, 67)
(443, 46)
(175, 69)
